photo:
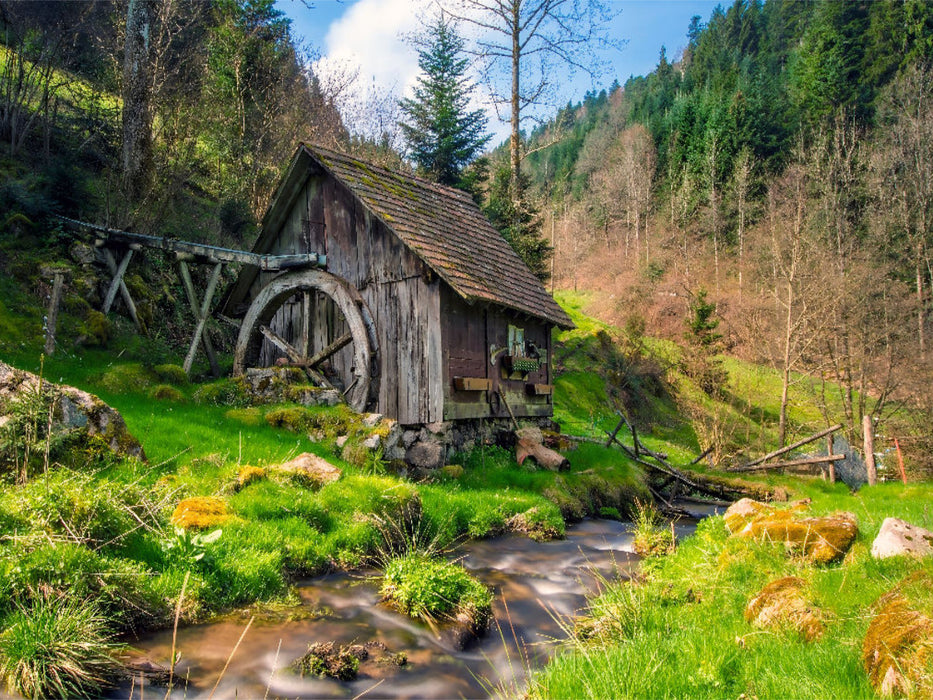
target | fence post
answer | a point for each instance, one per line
(868, 432)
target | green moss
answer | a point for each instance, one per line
(166, 392)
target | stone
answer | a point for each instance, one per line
(425, 454)
(371, 420)
(341, 441)
(784, 604)
(372, 443)
(73, 410)
(898, 645)
(438, 427)
(822, 540)
(309, 470)
(898, 537)
(409, 437)
(82, 253)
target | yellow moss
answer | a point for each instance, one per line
(200, 512)
(249, 475)
(898, 649)
(821, 540)
(783, 603)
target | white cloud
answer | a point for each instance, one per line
(369, 39)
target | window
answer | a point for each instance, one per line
(516, 341)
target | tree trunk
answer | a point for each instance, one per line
(515, 140)
(137, 118)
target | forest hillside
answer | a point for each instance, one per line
(778, 170)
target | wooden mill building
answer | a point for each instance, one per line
(421, 312)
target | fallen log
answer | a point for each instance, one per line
(544, 456)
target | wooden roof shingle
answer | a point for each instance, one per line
(441, 225)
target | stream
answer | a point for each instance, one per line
(538, 587)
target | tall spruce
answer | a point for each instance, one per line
(443, 134)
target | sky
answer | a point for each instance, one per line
(366, 37)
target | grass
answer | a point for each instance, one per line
(680, 633)
(434, 590)
(56, 647)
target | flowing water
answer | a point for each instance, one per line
(538, 587)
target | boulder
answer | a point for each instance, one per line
(897, 652)
(309, 470)
(898, 537)
(425, 454)
(783, 604)
(822, 540)
(73, 411)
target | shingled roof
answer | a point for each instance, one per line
(441, 225)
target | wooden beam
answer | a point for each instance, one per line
(339, 344)
(472, 384)
(201, 252)
(791, 463)
(783, 450)
(201, 313)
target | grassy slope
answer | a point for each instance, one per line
(681, 633)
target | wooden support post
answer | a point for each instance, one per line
(201, 314)
(51, 321)
(831, 467)
(117, 271)
(612, 435)
(868, 431)
(124, 292)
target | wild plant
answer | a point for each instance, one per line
(57, 647)
(188, 547)
(652, 537)
(26, 439)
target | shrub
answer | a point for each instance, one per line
(294, 418)
(58, 647)
(431, 589)
(131, 377)
(225, 392)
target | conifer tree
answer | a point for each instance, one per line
(443, 134)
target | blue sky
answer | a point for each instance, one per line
(366, 36)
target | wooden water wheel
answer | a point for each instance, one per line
(362, 384)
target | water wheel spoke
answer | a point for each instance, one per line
(295, 357)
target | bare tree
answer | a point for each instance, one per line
(621, 179)
(532, 44)
(904, 170)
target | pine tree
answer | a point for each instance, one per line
(442, 133)
(518, 221)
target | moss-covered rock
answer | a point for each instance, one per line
(784, 603)
(71, 421)
(898, 649)
(200, 512)
(822, 540)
